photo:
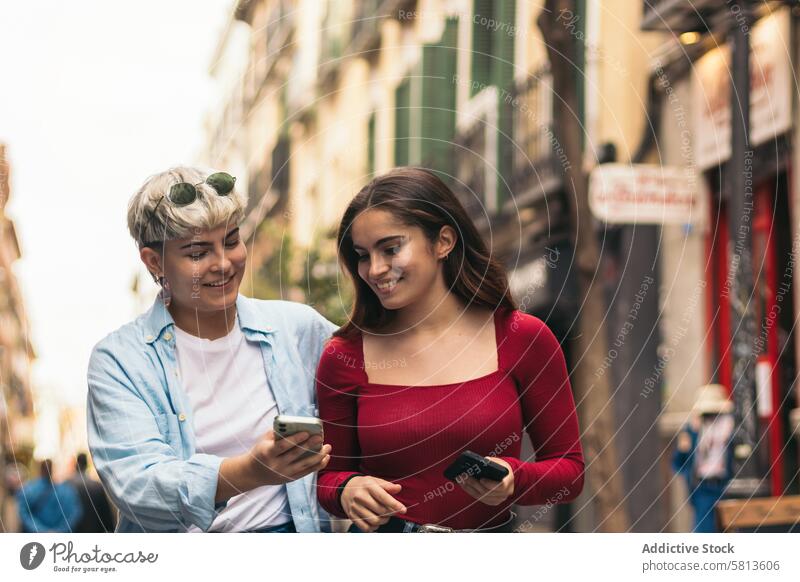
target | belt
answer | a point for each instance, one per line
(397, 525)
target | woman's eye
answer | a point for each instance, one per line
(393, 250)
(233, 243)
(362, 258)
(197, 256)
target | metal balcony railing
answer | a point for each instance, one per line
(680, 15)
(537, 155)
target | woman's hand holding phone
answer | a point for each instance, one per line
(368, 502)
(488, 491)
(271, 461)
(275, 461)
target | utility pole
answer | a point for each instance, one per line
(749, 479)
(593, 392)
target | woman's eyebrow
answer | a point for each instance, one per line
(381, 241)
(203, 243)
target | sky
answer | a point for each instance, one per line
(95, 97)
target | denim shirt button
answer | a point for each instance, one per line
(181, 417)
(167, 336)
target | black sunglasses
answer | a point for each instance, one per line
(184, 193)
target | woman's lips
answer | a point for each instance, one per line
(388, 289)
(226, 285)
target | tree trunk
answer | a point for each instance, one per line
(592, 390)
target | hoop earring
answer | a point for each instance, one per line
(166, 291)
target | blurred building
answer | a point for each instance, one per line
(691, 75)
(316, 97)
(16, 352)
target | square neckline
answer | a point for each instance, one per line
(496, 321)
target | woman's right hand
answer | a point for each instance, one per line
(271, 461)
(274, 461)
(368, 502)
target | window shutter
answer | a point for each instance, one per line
(481, 51)
(503, 79)
(402, 123)
(371, 144)
(438, 107)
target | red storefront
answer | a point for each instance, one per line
(768, 219)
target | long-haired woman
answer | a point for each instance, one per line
(434, 361)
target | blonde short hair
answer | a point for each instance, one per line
(171, 222)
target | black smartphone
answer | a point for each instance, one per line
(474, 465)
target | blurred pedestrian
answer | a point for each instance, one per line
(46, 506)
(14, 477)
(182, 400)
(703, 454)
(97, 513)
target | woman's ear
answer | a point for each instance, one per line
(153, 260)
(447, 241)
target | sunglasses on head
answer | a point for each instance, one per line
(184, 193)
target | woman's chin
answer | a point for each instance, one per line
(219, 298)
(393, 303)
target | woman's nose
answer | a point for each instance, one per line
(223, 263)
(378, 267)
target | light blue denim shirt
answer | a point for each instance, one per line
(140, 421)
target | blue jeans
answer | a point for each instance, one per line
(282, 528)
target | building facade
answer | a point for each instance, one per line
(692, 71)
(16, 357)
(317, 97)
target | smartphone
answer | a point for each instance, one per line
(285, 426)
(475, 466)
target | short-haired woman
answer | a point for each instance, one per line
(182, 399)
(436, 361)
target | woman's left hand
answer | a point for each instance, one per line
(488, 491)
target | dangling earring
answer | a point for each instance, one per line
(166, 292)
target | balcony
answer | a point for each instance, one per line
(356, 35)
(536, 154)
(537, 159)
(270, 41)
(679, 16)
(333, 39)
(365, 29)
(475, 156)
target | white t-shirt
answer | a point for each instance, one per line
(233, 406)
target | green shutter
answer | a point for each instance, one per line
(402, 122)
(481, 52)
(371, 144)
(438, 108)
(503, 79)
(415, 134)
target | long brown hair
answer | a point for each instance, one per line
(417, 197)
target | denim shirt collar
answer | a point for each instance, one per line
(158, 319)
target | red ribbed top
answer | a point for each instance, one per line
(409, 435)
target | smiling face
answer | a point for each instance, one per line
(204, 271)
(397, 261)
